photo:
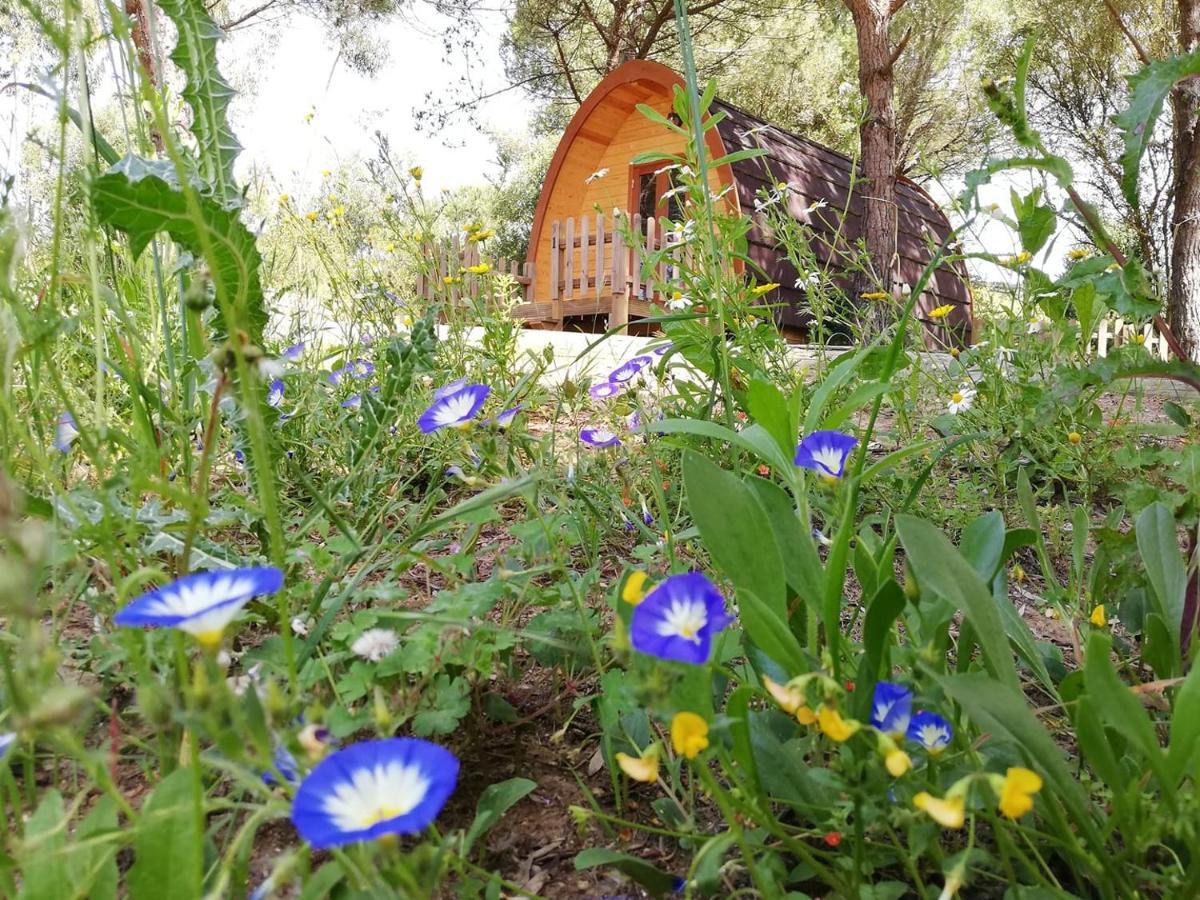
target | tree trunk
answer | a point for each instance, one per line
(1183, 296)
(877, 138)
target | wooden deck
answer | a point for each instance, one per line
(616, 267)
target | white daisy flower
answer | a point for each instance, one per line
(961, 399)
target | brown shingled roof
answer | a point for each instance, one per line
(816, 173)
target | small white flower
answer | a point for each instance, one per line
(679, 302)
(961, 399)
(375, 643)
(300, 626)
(596, 176)
(1036, 325)
(815, 205)
(270, 367)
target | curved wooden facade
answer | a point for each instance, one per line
(608, 132)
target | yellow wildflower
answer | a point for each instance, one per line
(942, 311)
(325, 173)
(689, 734)
(1074, 437)
(875, 295)
(416, 172)
(640, 768)
(791, 700)
(954, 352)
(1079, 253)
(760, 289)
(284, 199)
(1023, 257)
(390, 247)
(311, 216)
(480, 269)
(1097, 617)
(634, 591)
(339, 211)
(1139, 339)
(949, 813)
(898, 762)
(833, 726)
(1016, 794)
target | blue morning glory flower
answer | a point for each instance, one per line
(239, 456)
(361, 368)
(449, 388)
(65, 432)
(372, 789)
(604, 389)
(285, 764)
(629, 369)
(930, 730)
(598, 437)
(663, 350)
(201, 604)
(646, 517)
(454, 410)
(7, 739)
(354, 401)
(293, 352)
(826, 452)
(891, 708)
(335, 377)
(677, 620)
(504, 419)
(275, 393)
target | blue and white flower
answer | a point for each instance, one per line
(599, 437)
(629, 369)
(285, 764)
(201, 604)
(7, 739)
(335, 377)
(605, 389)
(826, 452)
(65, 432)
(275, 393)
(677, 620)
(663, 349)
(361, 368)
(294, 352)
(454, 410)
(452, 387)
(372, 789)
(931, 731)
(354, 401)
(891, 708)
(504, 419)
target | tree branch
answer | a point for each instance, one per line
(1137, 46)
(900, 48)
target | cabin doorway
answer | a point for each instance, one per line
(650, 192)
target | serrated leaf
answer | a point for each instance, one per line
(1148, 89)
(143, 198)
(208, 95)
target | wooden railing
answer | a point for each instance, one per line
(1113, 332)
(590, 267)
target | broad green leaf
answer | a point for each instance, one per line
(655, 116)
(43, 873)
(737, 532)
(1185, 730)
(1159, 545)
(768, 408)
(143, 198)
(168, 844)
(801, 564)
(883, 610)
(940, 568)
(1119, 708)
(1148, 88)
(494, 802)
(765, 450)
(94, 862)
(771, 633)
(982, 544)
(655, 880)
(208, 94)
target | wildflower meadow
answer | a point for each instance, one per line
(321, 577)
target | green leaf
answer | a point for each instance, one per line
(168, 844)
(770, 632)
(655, 880)
(766, 450)
(1185, 730)
(885, 607)
(982, 544)
(143, 198)
(1177, 414)
(737, 532)
(494, 802)
(938, 567)
(801, 564)
(44, 877)
(1119, 708)
(1148, 88)
(838, 375)
(208, 94)
(1159, 546)
(94, 863)
(103, 147)
(1035, 222)
(768, 408)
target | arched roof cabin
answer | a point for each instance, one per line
(580, 266)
